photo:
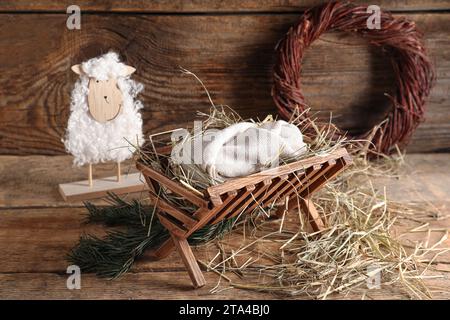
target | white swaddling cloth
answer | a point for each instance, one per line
(241, 149)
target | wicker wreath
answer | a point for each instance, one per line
(398, 37)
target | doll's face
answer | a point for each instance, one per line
(104, 99)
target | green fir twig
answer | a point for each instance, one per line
(113, 255)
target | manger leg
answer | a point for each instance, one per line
(314, 218)
(189, 261)
(308, 208)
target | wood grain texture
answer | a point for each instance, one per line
(155, 286)
(164, 6)
(232, 54)
(34, 239)
(190, 262)
(37, 241)
(155, 176)
(33, 181)
(99, 188)
(255, 178)
(160, 286)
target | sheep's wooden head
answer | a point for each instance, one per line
(104, 97)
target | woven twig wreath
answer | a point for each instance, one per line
(398, 37)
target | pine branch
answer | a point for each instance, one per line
(114, 254)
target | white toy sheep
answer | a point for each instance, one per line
(104, 121)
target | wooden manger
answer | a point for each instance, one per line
(293, 183)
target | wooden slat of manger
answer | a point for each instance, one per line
(338, 167)
(206, 214)
(295, 182)
(307, 183)
(265, 192)
(276, 196)
(310, 186)
(259, 200)
(243, 205)
(259, 190)
(203, 214)
(272, 173)
(226, 208)
(172, 225)
(243, 194)
(260, 193)
(276, 185)
(172, 185)
(188, 220)
(307, 208)
(248, 191)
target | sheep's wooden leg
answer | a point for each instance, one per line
(90, 175)
(189, 261)
(118, 171)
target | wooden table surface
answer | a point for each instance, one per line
(230, 46)
(37, 229)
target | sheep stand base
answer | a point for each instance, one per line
(80, 190)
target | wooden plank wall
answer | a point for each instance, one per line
(228, 44)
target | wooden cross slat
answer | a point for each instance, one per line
(245, 205)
